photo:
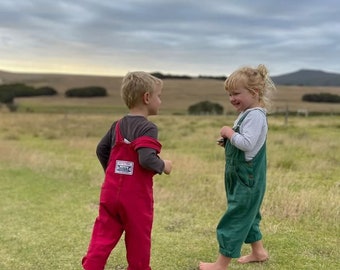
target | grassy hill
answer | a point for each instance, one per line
(177, 95)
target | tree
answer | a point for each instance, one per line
(322, 97)
(91, 91)
(205, 107)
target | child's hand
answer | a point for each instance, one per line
(167, 166)
(221, 142)
(227, 132)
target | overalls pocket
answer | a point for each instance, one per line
(245, 172)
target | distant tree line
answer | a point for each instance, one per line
(90, 91)
(220, 78)
(185, 77)
(168, 76)
(322, 97)
(8, 92)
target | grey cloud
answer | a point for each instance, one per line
(180, 36)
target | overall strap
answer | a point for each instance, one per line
(119, 136)
(239, 122)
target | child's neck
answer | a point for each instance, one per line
(138, 112)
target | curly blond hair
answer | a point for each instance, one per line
(253, 79)
(135, 85)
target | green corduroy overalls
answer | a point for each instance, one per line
(245, 184)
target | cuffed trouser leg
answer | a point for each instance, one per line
(236, 223)
(138, 228)
(254, 233)
(105, 235)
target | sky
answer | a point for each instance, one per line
(193, 37)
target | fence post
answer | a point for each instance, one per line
(286, 115)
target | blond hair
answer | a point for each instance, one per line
(254, 80)
(135, 85)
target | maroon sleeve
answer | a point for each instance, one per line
(148, 142)
(148, 149)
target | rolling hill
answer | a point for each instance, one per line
(178, 94)
(303, 77)
(306, 77)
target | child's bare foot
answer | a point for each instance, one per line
(210, 266)
(254, 258)
(258, 254)
(221, 263)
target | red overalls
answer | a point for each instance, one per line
(126, 204)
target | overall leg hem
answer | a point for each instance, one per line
(229, 254)
(253, 240)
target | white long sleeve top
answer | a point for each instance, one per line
(252, 132)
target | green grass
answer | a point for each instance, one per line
(50, 181)
(65, 109)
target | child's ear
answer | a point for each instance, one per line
(146, 97)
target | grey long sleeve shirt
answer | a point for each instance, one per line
(132, 127)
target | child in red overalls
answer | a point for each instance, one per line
(129, 156)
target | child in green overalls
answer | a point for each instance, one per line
(249, 92)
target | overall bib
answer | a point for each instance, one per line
(245, 184)
(126, 205)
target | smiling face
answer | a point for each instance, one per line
(243, 99)
(247, 88)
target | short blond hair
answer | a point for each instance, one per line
(135, 85)
(253, 79)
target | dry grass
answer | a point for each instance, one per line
(50, 181)
(177, 96)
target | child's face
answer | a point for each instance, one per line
(154, 101)
(243, 99)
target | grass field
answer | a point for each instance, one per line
(50, 181)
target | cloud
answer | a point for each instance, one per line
(182, 37)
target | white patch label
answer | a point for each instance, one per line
(124, 167)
